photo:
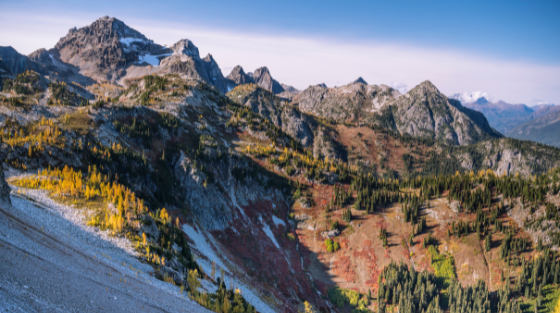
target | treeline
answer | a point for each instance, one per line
(411, 291)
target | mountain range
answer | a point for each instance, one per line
(138, 177)
(508, 118)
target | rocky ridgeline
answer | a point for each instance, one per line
(261, 77)
(353, 102)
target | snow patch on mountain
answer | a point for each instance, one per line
(151, 59)
(128, 41)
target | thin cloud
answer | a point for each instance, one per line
(302, 61)
(401, 87)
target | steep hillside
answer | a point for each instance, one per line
(246, 198)
(43, 244)
(170, 194)
(544, 129)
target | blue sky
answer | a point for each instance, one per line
(448, 42)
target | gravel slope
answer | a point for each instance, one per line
(50, 261)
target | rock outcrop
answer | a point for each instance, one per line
(4, 189)
(360, 80)
(215, 76)
(261, 77)
(353, 102)
(275, 109)
(239, 77)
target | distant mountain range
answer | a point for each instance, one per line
(516, 120)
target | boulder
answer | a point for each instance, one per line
(330, 234)
(331, 178)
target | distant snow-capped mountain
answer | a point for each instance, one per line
(469, 97)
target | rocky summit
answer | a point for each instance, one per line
(136, 177)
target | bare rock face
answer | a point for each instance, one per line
(290, 89)
(425, 112)
(183, 59)
(297, 125)
(4, 189)
(355, 101)
(277, 111)
(109, 50)
(323, 146)
(105, 48)
(239, 77)
(214, 73)
(262, 77)
(330, 234)
(360, 80)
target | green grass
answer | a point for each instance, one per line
(551, 296)
(340, 297)
(443, 265)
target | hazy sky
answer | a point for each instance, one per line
(508, 49)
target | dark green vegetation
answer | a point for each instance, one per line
(62, 95)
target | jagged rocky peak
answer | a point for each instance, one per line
(360, 80)
(214, 73)
(185, 47)
(426, 112)
(105, 48)
(425, 86)
(262, 77)
(239, 77)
